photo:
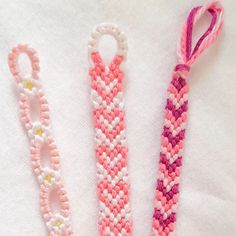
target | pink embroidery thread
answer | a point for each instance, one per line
(110, 137)
(175, 118)
(39, 134)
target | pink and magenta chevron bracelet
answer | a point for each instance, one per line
(175, 117)
(111, 150)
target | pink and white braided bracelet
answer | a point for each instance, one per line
(110, 137)
(175, 117)
(39, 133)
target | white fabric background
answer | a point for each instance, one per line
(59, 31)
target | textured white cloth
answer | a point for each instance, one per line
(59, 31)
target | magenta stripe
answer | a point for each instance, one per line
(190, 31)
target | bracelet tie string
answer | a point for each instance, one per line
(175, 118)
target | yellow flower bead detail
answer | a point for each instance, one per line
(39, 132)
(58, 223)
(48, 178)
(29, 85)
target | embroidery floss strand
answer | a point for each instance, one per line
(175, 117)
(110, 137)
(39, 133)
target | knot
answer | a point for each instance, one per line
(187, 55)
(181, 71)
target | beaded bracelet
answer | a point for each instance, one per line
(175, 117)
(39, 133)
(110, 137)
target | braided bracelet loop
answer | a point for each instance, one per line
(175, 118)
(39, 133)
(108, 29)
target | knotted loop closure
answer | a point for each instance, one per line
(186, 54)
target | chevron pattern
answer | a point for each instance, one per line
(111, 150)
(171, 154)
(175, 118)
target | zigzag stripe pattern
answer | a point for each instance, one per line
(110, 138)
(39, 133)
(175, 119)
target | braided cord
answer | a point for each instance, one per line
(110, 137)
(39, 133)
(175, 118)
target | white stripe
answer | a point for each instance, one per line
(176, 103)
(167, 184)
(171, 158)
(111, 162)
(97, 101)
(116, 199)
(105, 211)
(161, 207)
(100, 138)
(110, 125)
(174, 131)
(106, 87)
(102, 174)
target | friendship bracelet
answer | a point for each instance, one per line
(39, 133)
(113, 185)
(110, 137)
(175, 117)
